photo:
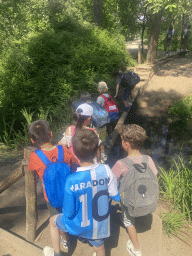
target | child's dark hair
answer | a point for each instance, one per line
(115, 72)
(134, 134)
(80, 119)
(40, 132)
(85, 144)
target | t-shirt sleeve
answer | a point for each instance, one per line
(34, 162)
(119, 169)
(112, 186)
(152, 166)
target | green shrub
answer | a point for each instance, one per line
(176, 185)
(182, 109)
(51, 56)
(47, 69)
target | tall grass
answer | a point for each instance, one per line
(6, 132)
(173, 222)
(18, 139)
(176, 185)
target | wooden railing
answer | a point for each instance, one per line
(30, 192)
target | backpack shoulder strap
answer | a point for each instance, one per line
(43, 157)
(139, 167)
(145, 159)
(60, 153)
(103, 96)
(127, 161)
(46, 160)
(129, 177)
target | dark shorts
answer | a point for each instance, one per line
(60, 226)
(111, 127)
(169, 42)
(127, 220)
(125, 93)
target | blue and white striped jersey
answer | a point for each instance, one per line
(86, 201)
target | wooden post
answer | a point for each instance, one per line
(31, 197)
(139, 54)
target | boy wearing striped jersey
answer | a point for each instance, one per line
(86, 209)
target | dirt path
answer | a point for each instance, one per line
(169, 83)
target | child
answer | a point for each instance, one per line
(106, 101)
(132, 137)
(82, 117)
(86, 208)
(41, 135)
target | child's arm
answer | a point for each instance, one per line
(118, 81)
(66, 139)
(112, 186)
(117, 90)
(99, 149)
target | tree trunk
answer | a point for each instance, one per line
(97, 12)
(154, 36)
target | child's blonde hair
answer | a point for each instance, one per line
(134, 134)
(102, 87)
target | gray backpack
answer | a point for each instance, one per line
(139, 188)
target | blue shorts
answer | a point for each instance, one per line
(125, 93)
(60, 226)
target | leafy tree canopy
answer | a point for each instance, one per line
(50, 54)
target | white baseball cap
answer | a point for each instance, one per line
(85, 110)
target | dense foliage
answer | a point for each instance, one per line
(56, 57)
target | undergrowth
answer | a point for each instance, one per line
(176, 187)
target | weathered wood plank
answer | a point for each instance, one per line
(31, 198)
(11, 179)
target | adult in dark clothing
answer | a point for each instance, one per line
(169, 37)
(126, 92)
(185, 37)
